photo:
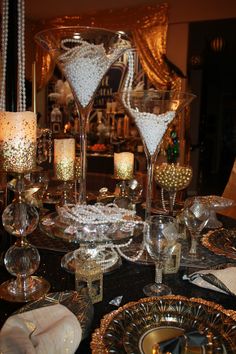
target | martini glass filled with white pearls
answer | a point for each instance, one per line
(84, 56)
(152, 111)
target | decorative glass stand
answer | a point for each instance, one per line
(84, 56)
(22, 259)
(104, 230)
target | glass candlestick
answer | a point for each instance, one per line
(18, 143)
(22, 259)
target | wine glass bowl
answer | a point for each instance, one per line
(172, 178)
(159, 238)
(195, 215)
(84, 55)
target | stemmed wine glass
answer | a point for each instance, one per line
(195, 215)
(84, 56)
(152, 111)
(159, 238)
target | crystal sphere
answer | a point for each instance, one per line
(20, 219)
(22, 259)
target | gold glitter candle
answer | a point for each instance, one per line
(124, 165)
(64, 159)
(18, 141)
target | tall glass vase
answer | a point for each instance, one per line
(84, 56)
(152, 111)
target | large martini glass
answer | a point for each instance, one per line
(84, 56)
(152, 111)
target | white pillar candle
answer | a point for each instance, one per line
(18, 141)
(123, 165)
(64, 159)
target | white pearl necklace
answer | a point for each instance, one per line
(4, 39)
(21, 94)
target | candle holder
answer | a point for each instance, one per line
(123, 171)
(64, 167)
(18, 156)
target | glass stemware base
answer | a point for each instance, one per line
(34, 288)
(156, 289)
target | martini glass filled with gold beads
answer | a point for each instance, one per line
(172, 178)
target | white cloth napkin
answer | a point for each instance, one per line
(222, 280)
(47, 330)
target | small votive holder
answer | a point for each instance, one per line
(88, 275)
(64, 159)
(123, 165)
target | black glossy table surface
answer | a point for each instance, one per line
(127, 281)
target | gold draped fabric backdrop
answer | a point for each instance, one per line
(146, 24)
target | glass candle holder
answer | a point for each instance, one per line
(123, 165)
(18, 142)
(64, 159)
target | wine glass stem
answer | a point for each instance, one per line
(84, 117)
(172, 202)
(158, 274)
(194, 242)
(150, 166)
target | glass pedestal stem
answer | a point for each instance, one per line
(150, 168)
(158, 274)
(193, 245)
(172, 196)
(83, 119)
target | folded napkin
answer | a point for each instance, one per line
(47, 330)
(177, 345)
(222, 280)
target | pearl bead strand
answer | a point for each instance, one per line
(4, 39)
(21, 93)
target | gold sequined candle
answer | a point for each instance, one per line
(64, 159)
(18, 141)
(124, 165)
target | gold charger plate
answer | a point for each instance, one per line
(124, 330)
(221, 242)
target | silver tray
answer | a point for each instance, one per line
(80, 305)
(221, 242)
(124, 330)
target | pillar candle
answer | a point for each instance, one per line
(64, 159)
(18, 141)
(124, 165)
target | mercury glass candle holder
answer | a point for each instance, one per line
(64, 166)
(123, 165)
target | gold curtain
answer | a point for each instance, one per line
(147, 26)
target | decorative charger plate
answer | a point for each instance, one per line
(221, 241)
(128, 329)
(79, 304)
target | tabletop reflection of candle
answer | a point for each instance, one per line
(18, 142)
(123, 165)
(64, 159)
